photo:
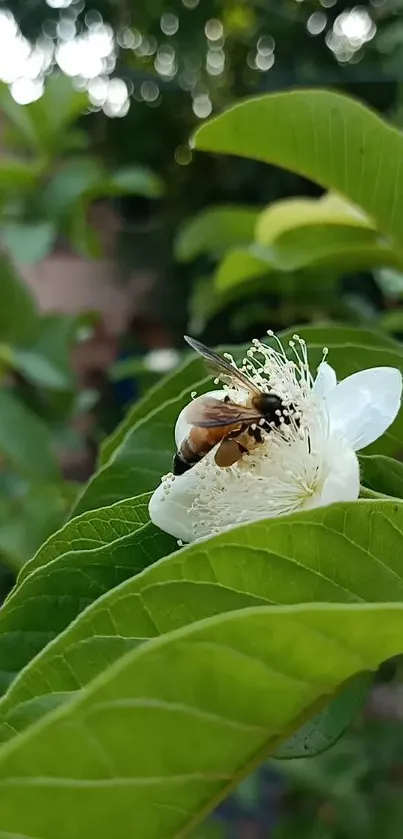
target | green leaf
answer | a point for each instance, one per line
(39, 370)
(325, 136)
(140, 451)
(27, 520)
(329, 209)
(20, 118)
(196, 733)
(340, 335)
(320, 232)
(344, 553)
(147, 449)
(186, 375)
(42, 124)
(68, 584)
(211, 830)
(312, 247)
(323, 246)
(28, 242)
(382, 474)
(214, 230)
(134, 180)
(16, 177)
(84, 239)
(239, 265)
(392, 321)
(61, 102)
(18, 314)
(70, 185)
(321, 732)
(92, 530)
(53, 343)
(180, 379)
(24, 439)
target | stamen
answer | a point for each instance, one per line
(288, 466)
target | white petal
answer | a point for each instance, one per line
(325, 380)
(342, 482)
(169, 508)
(364, 405)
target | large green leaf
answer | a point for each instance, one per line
(322, 253)
(323, 246)
(186, 375)
(322, 232)
(18, 314)
(382, 474)
(92, 530)
(25, 440)
(327, 137)
(329, 209)
(67, 585)
(140, 752)
(345, 553)
(325, 728)
(216, 229)
(141, 450)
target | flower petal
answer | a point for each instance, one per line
(364, 405)
(170, 505)
(342, 482)
(325, 381)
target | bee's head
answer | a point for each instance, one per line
(270, 404)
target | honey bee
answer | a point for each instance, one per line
(237, 427)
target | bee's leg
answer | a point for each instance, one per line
(237, 432)
(256, 433)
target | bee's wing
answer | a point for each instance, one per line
(207, 412)
(222, 368)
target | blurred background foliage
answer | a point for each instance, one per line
(98, 100)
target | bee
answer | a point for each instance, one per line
(236, 427)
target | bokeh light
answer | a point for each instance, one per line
(22, 65)
(214, 29)
(183, 155)
(59, 4)
(169, 23)
(149, 91)
(351, 30)
(202, 106)
(316, 23)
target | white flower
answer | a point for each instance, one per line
(308, 462)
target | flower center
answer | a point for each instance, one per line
(283, 473)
